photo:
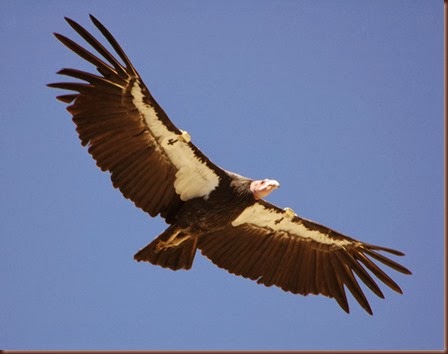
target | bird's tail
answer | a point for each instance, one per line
(174, 249)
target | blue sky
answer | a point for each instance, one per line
(341, 101)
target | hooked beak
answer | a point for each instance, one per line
(262, 188)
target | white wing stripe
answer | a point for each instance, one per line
(179, 152)
(262, 217)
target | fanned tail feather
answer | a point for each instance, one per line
(174, 249)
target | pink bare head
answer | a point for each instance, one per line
(262, 188)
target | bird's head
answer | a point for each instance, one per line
(262, 188)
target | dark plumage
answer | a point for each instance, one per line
(155, 165)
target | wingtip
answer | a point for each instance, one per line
(406, 271)
(365, 306)
(368, 309)
(60, 37)
(345, 307)
(68, 20)
(343, 303)
(94, 20)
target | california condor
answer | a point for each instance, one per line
(156, 165)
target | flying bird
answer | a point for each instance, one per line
(221, 213)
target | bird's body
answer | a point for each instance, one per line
(197, 217)
(223, 214)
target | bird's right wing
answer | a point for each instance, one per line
(151, 161)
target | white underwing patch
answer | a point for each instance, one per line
(260, 216)
(193, 178)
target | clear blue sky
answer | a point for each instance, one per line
(341, 101)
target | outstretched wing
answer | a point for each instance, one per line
(276, 247)
(151, 161)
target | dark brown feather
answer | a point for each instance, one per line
(274, 258)
(378, 272)
(99, 47)
(347, 258)
(345, 274)
(114, 44)
(104, 68)
(387, 261)
(335, 286)
(286, 263)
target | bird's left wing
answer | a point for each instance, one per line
(151, 161)
(276, 247)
